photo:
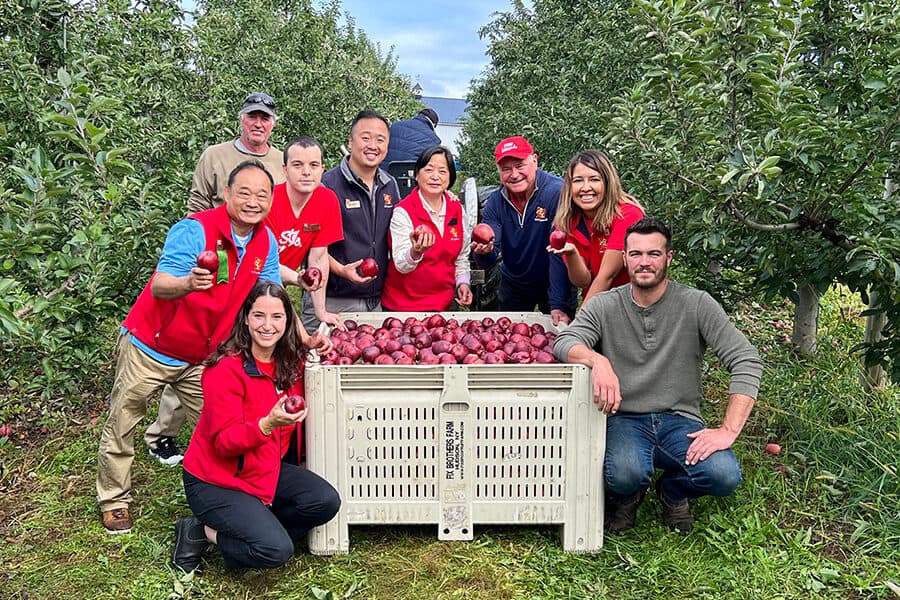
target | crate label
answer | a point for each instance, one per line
(454, 451)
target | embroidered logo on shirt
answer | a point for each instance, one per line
(387, 200)
(540, 214)
(351, 203)
(257, 265)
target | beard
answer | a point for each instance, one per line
(660, 276)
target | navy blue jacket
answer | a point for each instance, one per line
(522, 241)
(367, 220)
(409, 138)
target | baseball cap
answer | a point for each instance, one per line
(515, 146)
(258, 101)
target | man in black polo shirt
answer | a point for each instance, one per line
(367, 196)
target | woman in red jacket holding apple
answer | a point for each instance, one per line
(245, 499)
(430, 265)
(593, 213)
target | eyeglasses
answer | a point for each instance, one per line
(260, 98)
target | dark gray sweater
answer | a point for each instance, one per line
(657, 352)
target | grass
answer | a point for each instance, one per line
(828, 528)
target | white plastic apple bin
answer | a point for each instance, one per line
(457, 445)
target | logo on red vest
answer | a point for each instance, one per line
(454, 233)
(388, 201)
(540, 214)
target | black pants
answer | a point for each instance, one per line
(251, 534)
(511, 297)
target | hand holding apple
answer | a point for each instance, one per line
(557, 239)
(208, 260)
(294, 404)
(312, 277)
(368, 267)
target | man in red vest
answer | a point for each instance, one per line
(180, 317)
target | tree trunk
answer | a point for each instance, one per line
(806, 320)
(874, 377)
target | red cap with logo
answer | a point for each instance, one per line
(516, 146)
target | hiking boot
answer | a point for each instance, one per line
(117, 520)
(166, 451)
(676, 517)
(190, 544)
(621, 517)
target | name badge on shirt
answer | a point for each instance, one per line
(312, 226)
(351, 203)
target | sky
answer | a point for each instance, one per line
(435, 42)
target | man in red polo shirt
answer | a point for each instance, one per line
(305, 219)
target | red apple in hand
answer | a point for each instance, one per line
(418, 232)
(294, 404)
(557, 239)
(482, 234)
(368, 268)
(312, 276)
(208, 260)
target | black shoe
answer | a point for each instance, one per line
(166, 451)
(621, 517)
(190, 544)
(676, 517)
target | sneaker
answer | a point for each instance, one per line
(166, 451)
(676, 517)
(622, 517)
(190, 544)
(117, 520)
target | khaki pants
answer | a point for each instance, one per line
(171, 418)
(138, 378)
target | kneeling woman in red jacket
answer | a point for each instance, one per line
(245, 500)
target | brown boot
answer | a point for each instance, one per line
(621, 517)
(117, 520)
(676, 517)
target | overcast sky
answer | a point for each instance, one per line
(435, 41)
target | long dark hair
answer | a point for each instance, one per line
(288, 354)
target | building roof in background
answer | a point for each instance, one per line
(450, 110)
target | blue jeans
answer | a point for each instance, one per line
(637, 444)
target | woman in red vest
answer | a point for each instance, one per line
(429, 268)
(594, 213)
(246, 500)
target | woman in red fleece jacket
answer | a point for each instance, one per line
(245, 499)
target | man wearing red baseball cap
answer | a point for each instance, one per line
(521, 213)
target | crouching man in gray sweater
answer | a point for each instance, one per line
(645, 342)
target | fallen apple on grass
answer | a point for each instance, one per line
(773, 449)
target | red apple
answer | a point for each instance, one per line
(482, 234)
(294, 404)
(312, 276)
(773, 448)
(5, 430)
(368, 268)
(557, 239)
(208, 260)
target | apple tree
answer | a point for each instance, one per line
(765, 131)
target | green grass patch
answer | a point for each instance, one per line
(828, 526)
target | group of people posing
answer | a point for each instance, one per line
(227, 339)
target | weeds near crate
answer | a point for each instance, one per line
(819, 520)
